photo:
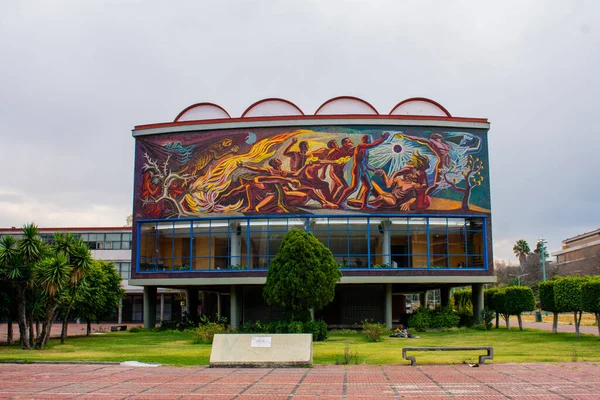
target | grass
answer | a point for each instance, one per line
(176, 348)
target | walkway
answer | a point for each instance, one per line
(490, 382)
(514, 324)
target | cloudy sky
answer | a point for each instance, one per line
(77, 76)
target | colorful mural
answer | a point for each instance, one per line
(324, 170)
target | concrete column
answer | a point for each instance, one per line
(234, 307)
(423, 299)
(235, 244)
(120, 313)
(162, 306)
(192, 302)
(218, 305)
(445, 296)
(149, 307)
(312, 314)
(477, 300)
(388, 305)
(385, 250)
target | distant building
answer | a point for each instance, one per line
(580, 254)
(113, 244)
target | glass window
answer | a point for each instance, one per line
(113, 237)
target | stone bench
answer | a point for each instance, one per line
(488, 356)
(117, 328)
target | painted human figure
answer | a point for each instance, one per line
(360, 172)
(402, 194)
(441, 150)
(419, 164)
(297, 158)
(336, 169)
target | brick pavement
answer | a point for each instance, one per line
(489, 382)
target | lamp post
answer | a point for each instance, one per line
(518, 277)
(542, 244)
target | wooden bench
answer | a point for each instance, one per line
(117, 328)
(488, 356)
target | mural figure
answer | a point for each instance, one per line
(360, 172)
(274, 170)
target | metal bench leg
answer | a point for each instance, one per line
(489, 356)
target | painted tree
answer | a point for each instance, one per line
(471, 176)
(567, 297)
(302, 275)
(517, 300)
(521, 250)
(590, 298)
(546, 294)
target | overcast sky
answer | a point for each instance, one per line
(77, 76)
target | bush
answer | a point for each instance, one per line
(488, 316)
(136, 329)
(444, 318)
(373, 331)
(420, 319)
(462, 299)
(465, 316)
(205, 333)
(480, 327)
(317, 328)
(168, 325)
(518, 299)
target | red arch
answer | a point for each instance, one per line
(200, 104)
(271, 99)
(425, 99)
(347, 98)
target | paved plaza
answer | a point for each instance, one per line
(494, 381)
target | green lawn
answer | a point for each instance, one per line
(176, 348)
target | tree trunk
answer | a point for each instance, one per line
(497, 320)
(22, 318)
(89, 328)
(63, 332)
(9, 332)
(577, 322)
(46, 327)
(37, 329)
(520, 321)
(555, 323)
(30, 326)
(507, 317)
(598, 323)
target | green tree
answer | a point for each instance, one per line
(499, 300)
(51, 277)
(567, 297)
(489, 302)
(100, 293)
(521, 250)
(302, 275)
(546, 294)
(517, 300)
(590, 298)
(538, 250)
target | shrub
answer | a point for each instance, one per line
(136, 329)
(487, 316)
(517, 300)
(347, 357)
(444, 318)
(373, 331)
(167, 325)
(317, 328)
(462, 299)
(590, 298)
(205, 333)
(479, 327)
(465, 316)
(567, 297)
(421, 319)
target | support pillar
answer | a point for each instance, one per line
(149, 307)
(218, 305)
(385, 231)
(235, 244)
(423, 299)
(192, 303)
(120, 312)
(445, 296)
(162, 307)
(234, 307)
(477, 300)
(388, 305)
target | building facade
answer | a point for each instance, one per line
(402, 201)
(579, 254)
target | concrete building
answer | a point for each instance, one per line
(402, 201)
(579, 254)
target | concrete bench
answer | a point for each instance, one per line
(117, 328)
(488, 356)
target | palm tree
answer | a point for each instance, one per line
(14, 271)
(52, 276)
(522, 250)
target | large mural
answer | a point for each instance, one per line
(317, 170)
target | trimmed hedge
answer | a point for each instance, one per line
(317, 328)
(518, 299)
(546, 293)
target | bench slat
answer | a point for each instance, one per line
(489, 350)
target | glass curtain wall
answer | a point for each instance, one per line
(355, 242)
